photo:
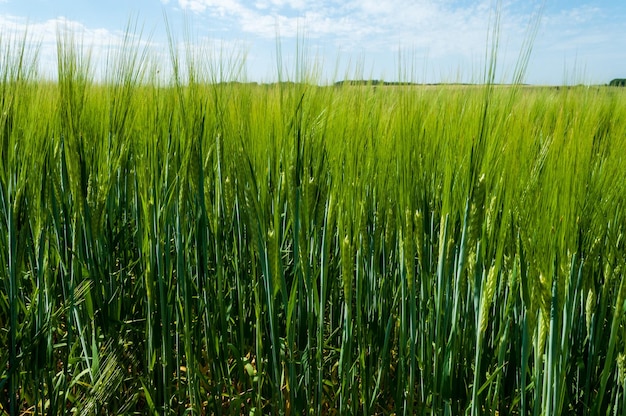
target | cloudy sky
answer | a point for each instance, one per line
(577, 41)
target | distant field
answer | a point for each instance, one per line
(251, 249)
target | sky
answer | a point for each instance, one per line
(427, 41)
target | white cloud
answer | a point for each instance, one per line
(47, 32)
(580, 14)
(450, 34)
(95, 43)
(219, 7)
(440, 27)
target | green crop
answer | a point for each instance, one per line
(195, 246)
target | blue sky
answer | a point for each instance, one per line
(577, 41)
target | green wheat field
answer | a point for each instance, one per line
(187, 246)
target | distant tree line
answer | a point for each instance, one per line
(618, 82)
(377, 82)
(371, 82)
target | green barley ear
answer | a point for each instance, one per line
(194, 167)
(91, 190)
(292, 186)
(389, 227)
(274, 258)
(182, 188)
(477, 211)
(621, 368)
(409, 249)
(487, 297)
(544, 298)
(330, 221)
(18, 205)
(593, 252)
(471, 266)
(450, 250)
(419, 237)
(93, 200)
(590, 306)
(320, 204)
(545, 295)
(490, 216)
(282, 186)
(476, 218)
(229, 197)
